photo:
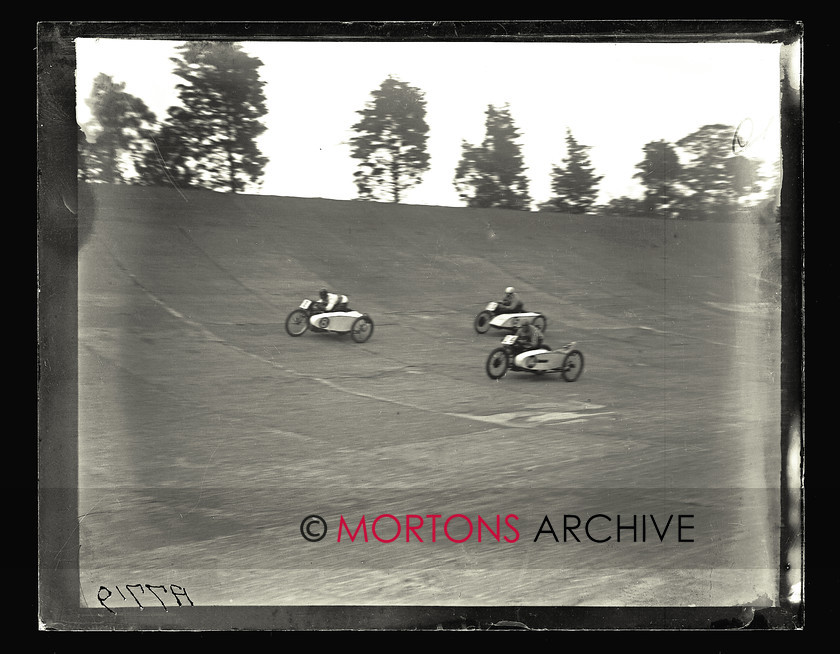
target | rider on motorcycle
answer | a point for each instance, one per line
(510, 303)
(529, 337)
(333, 301)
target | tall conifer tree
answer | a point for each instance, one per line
(574, 185)
(210, 139)
(493, 174)
(390, 142)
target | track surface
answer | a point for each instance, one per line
(206, 434)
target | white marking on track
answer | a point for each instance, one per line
(533, 418)
(752, 307)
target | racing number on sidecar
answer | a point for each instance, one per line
(323, 323)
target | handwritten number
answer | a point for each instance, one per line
(172, 588)
(128, 587)
(156, 595)
(102, 599)
(177, 592)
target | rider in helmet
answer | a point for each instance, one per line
(529, 337)
(333, 301)
(511, 303)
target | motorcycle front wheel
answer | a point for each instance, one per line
(497, 363)
(297, 322)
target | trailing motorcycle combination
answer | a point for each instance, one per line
(497, 317)
(510, 355)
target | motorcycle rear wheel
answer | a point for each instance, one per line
(362, 329)
(572, 365)
(482, 322)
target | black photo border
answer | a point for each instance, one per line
(58, 537)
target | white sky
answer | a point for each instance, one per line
(615, 98)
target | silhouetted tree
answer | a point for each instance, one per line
(118, 132)
(390, 142)
(82, 149)
(712, 172)
(210, 139)
(625, 206)
(171, 159)
(493, 174)
(574, 185)
(660, 173)
(744, 173)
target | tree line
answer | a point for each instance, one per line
(209, 141)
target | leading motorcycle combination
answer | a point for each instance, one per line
(312, 315)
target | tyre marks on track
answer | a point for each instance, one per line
(213, 337)
(218, 266)
(528, 418)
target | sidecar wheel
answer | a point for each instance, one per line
(497, 363)
(572, 365)
(297, 322)
(540, 323)
(482, 322)
(362, 329)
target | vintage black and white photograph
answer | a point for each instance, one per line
(341, 321)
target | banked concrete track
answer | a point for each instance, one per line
(206, 434)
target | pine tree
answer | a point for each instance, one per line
(574, 185)
(493, 174)
(117, 133)
(209, 140)
(660, 173)
(390, 142)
